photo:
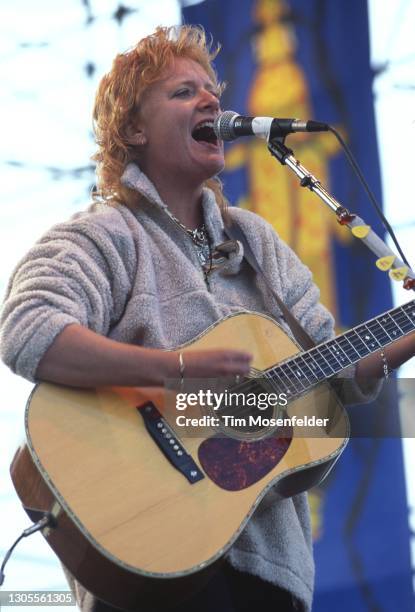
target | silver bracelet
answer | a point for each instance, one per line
(181, 369)
(386, 370)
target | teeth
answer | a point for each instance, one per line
(204, 132)
(204, 124)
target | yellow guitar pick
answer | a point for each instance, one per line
(385, 263)
(361, 231)
(399, 273)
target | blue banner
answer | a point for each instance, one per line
(310, 59)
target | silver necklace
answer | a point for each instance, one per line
(198, 235)
(200, 239)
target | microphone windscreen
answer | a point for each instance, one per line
(223, 125)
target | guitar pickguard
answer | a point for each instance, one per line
(234, 465)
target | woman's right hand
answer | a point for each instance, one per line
(81, 358)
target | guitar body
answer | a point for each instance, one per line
(130, 527)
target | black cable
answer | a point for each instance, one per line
(48, 520)
(6, 558)
(370, 194)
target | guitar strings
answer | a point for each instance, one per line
(252, 386)
(276, 377)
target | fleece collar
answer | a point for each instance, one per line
(134, 178)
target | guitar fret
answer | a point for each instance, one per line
(294, 373)
(391, 326)
(401, 318)
(277, 371)
(408, 311)
(357, 343)
(376, 329)
(275, 384)
(367, 337)
(314, 366)
(340, 355)
(403, 322)
(330, 358)
(273, 373)
(322, 362)
(348, 348)
(302, 370)
(286, 370)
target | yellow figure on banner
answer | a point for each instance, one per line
(316, 498)
(279, 88)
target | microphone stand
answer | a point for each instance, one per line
(387, 260)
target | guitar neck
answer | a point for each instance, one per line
(302, 372)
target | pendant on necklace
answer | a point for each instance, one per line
(198, 235)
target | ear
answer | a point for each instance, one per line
(135, 136)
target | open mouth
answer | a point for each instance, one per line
(204, 133)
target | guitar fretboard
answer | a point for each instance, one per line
(302, 372)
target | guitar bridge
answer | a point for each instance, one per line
(169, 445)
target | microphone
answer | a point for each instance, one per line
(229, 126)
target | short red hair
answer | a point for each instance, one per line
(119, 94)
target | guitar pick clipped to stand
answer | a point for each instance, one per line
(386, 261)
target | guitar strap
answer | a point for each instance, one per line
(235, 232)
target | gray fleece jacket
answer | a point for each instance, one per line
(135, 277)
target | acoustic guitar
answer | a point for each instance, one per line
(144, 511)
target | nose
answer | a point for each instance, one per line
(209, 101)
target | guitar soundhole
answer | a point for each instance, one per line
(237, 464)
